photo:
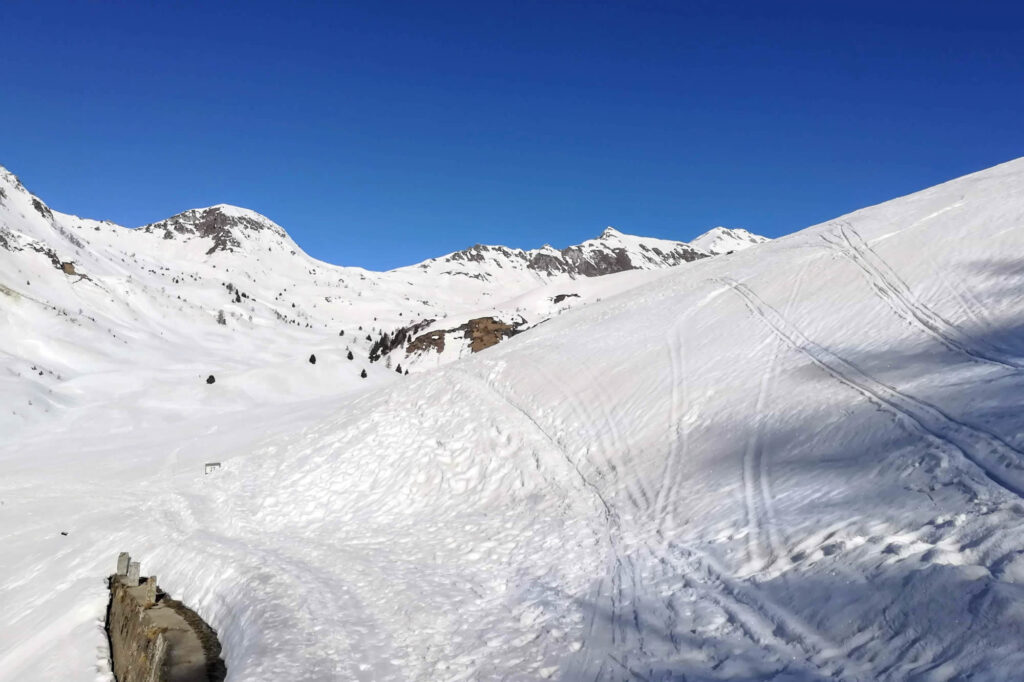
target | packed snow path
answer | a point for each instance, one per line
(799, 462)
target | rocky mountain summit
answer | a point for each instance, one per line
(227, 227)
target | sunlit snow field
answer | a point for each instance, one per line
(801, 461)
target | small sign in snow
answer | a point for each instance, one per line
(210, 467)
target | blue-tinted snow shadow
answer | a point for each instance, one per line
(918, 574)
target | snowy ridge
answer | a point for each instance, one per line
(611, 252)
(719, 240)
(714, 472)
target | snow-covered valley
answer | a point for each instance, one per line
(799, 461)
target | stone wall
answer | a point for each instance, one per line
(154, 638)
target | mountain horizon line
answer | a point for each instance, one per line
(232, 211)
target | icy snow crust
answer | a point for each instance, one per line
(801, 461)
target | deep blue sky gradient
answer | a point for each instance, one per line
(380, 134)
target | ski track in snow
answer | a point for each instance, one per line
(574, 464)
(895, 292)
(607, 450)
(767, 623)
(675, 342)
(994, 457)
(764, 541)
(632, 608)
(677, 432)
(614, 634)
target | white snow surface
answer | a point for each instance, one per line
(803, 461)
(719, 240)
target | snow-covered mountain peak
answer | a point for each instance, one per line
(8, 178)
(228, 227)
(720, 240)
(11, 189)
(243, 213)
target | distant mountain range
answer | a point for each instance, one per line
(223, 277)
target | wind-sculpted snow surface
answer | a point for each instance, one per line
(796, 462)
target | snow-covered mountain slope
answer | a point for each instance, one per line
(721, 240)
(549, 281)
(803, 461)
(223, 289)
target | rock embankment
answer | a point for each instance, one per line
(154, 638)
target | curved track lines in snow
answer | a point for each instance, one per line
(679, 406)
(623, 622)
(602, 634)
(765, 622)
(641, 626)
(895, 292)
(678, 436)
(763, 531)
(610, 514)
(991, 455)
(608, 450)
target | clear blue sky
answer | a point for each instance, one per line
(383, 133)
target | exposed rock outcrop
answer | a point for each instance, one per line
(154, 638)
(484, 332)
(389, 341)
(430, 341)
(223, 225)
(481, 332)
